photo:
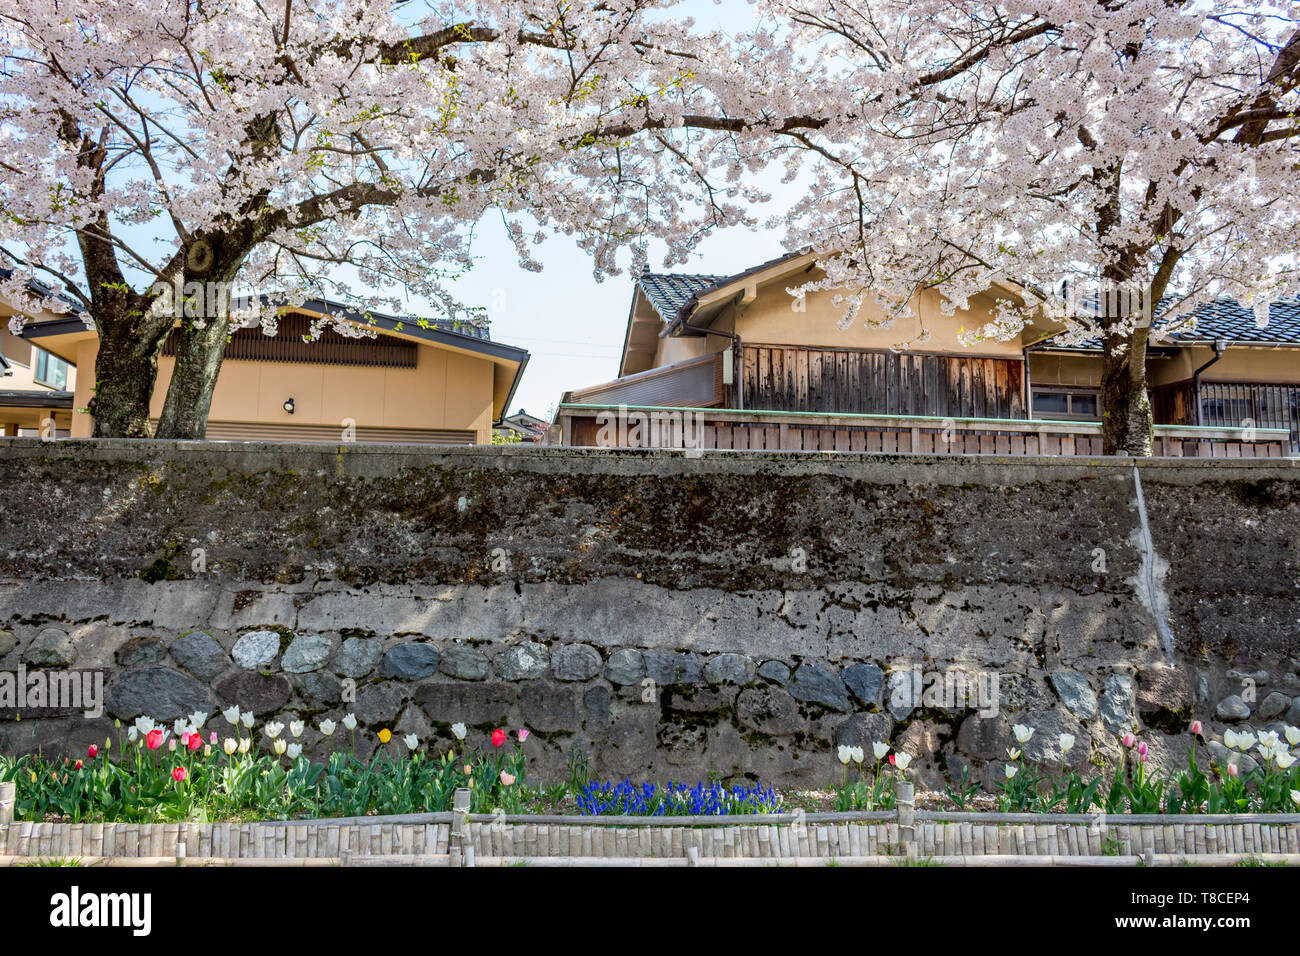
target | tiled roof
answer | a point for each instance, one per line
(669, 291)
(1223, 319)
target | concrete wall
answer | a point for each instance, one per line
(775, 604)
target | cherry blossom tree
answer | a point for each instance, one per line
(1142, 150)
(154, 157)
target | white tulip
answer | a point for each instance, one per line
(880, 750)
(1067, 743)
(1293, 735)
(458, 730)
(143, 725)
(350, 721)
(902, 761)
(1295, 797)
(296, 727)
(327, 728)
(232, 716)
(411, 741)
(294, 751)
(197, 720)
(230, 745)
(244, 744)
(1012, 770)
(845, 754)
(1284, 760)
(1230, 739)
(181, 726)
(246, 718)
(1245, 741)
(1022, 733)
(1013, 753)
(1269, 739)
(272, 729)
(279, 747)
(131, 734)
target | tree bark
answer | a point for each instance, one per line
(1125, 406)
(126, 367)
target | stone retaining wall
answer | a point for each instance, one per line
(665, 616)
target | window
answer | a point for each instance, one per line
(1080, 404)
(50, 370)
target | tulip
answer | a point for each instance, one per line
(171, 746)
(181, 727)
(857, 755)
(92, 752)
(246, 718)
(350, 721)
(498, 737)
(179, 774)
(845, 754)
(245, 743)
(197, 720)
(130, 735)
(1142, 757)
(880, 750)
(153, 740)
(1268, 739)
(143, 725)
(1012, 770)
(1232, 770)
(1245, 741)
(1013, 753)
(296, 727)
(1196, 727)
(327, 728)
(1022, 733)
(1295, 797)
(207, 750)
(1128, 740)
(507, 778)
(1285, 760)
(892, 760)
(294, 751)
(279, 747)
(1142, 749)
(230, 745)
(1067, 743)
(77, 765)
(904, 761)
(523, 734)
(1293, 736)
(195, 742)
(458, 730)
(1230, 738)
(385, 735)
(212, 738)
(232, 716)
(411, 741)
(273, 729)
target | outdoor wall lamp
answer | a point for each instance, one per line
(288, 406)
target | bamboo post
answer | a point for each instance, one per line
(905, 805)
(8, 795)
(459, 828)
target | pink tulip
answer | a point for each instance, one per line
(1128, 740)
(523, 734)
(213, 739)
(1142, 757)
(1142, 749)
(1196, 727)
(1232, 770)
(507, 778)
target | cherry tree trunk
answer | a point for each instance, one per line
(199, 352)
(126, 367)
(1125, 405)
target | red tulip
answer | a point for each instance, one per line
(195, 742)
(498, 738)
(77, 765)
(153, 740)
(179, 774)
(891, 759)
(93, 752)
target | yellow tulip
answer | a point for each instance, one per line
(385, 735)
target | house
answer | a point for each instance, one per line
(425, 382)
(527, 428)
(36, 386)
(752, 366)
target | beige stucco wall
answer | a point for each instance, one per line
(445, 390)
(771, 319)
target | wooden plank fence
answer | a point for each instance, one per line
(460, 839)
